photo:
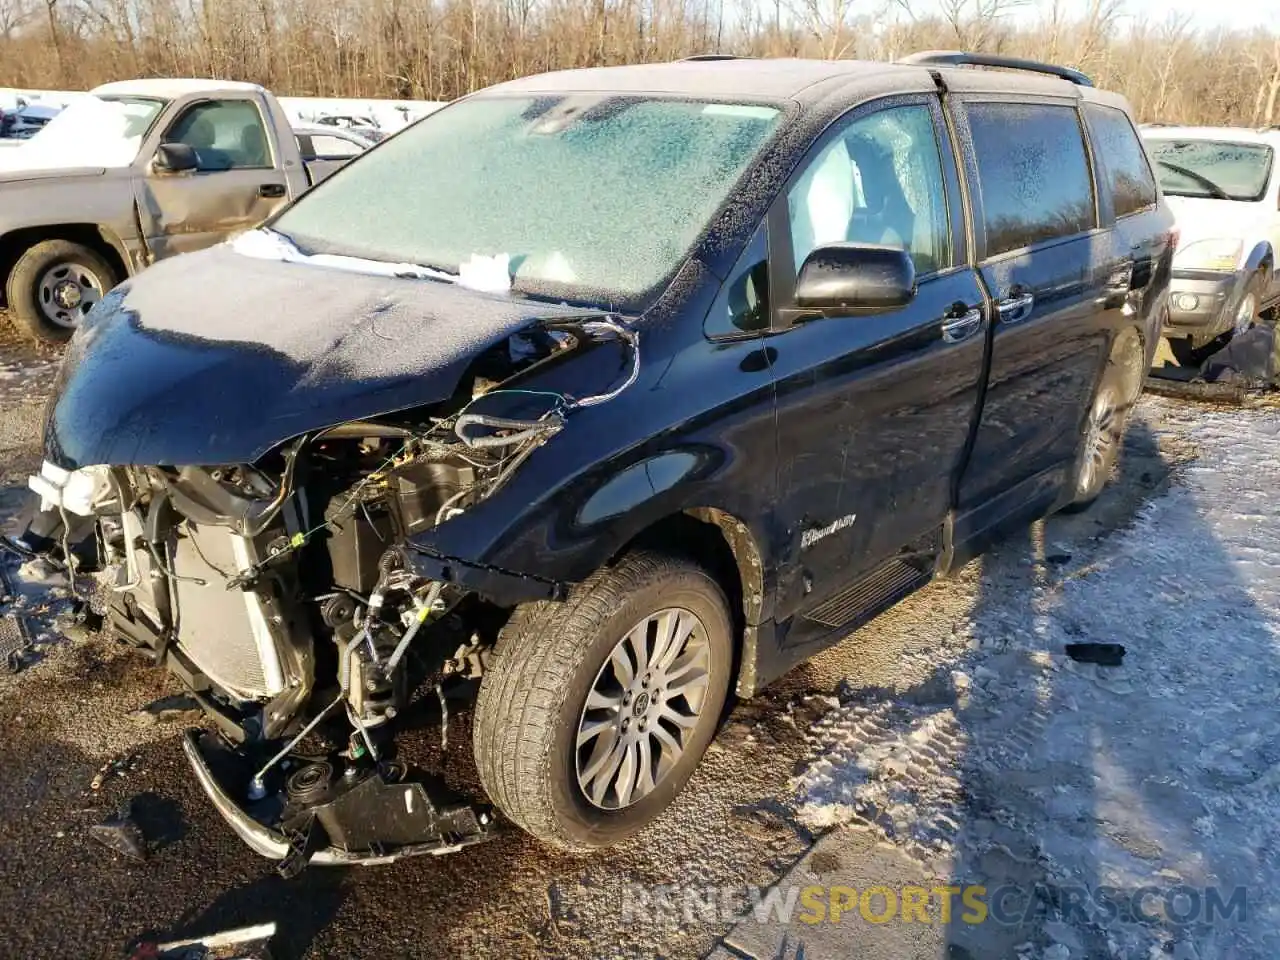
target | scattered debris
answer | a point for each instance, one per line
(120, 833)
(14, 642)
(176, 708)
(142, 825)
(1103, 654)
(117, 768)
(242, 943)
(79, 622)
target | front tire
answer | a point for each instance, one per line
(1249, 309)
(53, 285)
(1102, 434)
(573, 738)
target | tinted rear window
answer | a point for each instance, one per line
(1126, 173)
(1032, 172)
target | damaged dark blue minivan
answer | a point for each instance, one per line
(603, 394)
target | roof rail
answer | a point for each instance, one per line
(958, 58)
(708, 57)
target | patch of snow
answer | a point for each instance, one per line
(1162, 771)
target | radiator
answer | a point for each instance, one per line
(224, 632)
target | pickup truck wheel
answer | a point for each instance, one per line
(594, 712)
(1103, 431)
(53, 285)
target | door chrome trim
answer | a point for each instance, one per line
(962, 327)
(1015, 309)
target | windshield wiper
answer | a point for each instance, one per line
(1215, 191)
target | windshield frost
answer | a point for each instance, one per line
(91, 132)
(1210, 168)
(591, 197)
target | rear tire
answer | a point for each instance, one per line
(1102, 434)
(52, 287)
(532, 713)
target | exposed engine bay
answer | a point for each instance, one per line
(279, 593)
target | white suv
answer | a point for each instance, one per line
(1223, 188)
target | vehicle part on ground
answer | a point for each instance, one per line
(336, 812)
(569, 742)
(1103, 654)
(54, 284)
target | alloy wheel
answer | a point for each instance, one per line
(1102, 441)
(642, 708)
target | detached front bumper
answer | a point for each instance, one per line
(1202, 304)
(387, 820)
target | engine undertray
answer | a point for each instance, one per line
(326, 813)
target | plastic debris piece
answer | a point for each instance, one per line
(119, 833)
(1103, 654)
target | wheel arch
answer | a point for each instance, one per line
(1261, 257)
(722, 543)
(102, 240)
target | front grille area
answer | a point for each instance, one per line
(223, 632)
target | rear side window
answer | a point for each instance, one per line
(1126, 172)
(1032, 173)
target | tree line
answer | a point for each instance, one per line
(440, 49)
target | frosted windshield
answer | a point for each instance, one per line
(594, 197)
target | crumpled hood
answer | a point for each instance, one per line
(1208, 219)
(215, 358)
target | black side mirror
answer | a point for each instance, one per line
(176, 158)
(855, 279)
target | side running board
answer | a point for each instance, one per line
(871, 595)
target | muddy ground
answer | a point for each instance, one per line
(78, 705)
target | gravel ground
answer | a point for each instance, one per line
(76, 708)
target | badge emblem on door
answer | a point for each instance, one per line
(812, 536)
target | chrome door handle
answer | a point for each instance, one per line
(1013, 309)
(961, 326)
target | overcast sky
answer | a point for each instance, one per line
(1204, 13)
(1207, 13)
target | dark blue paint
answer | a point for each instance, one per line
(786, 430)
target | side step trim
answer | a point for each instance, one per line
(885, 585)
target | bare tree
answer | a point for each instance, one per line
(439, 49)
(829, 22)
(14, 15)
(976, 23)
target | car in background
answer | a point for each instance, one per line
(25, 120)
(136, 172)
(365, 126)
(1223, 187)
(325, 149)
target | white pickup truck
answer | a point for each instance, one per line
(136, 172)
(1223, 185)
